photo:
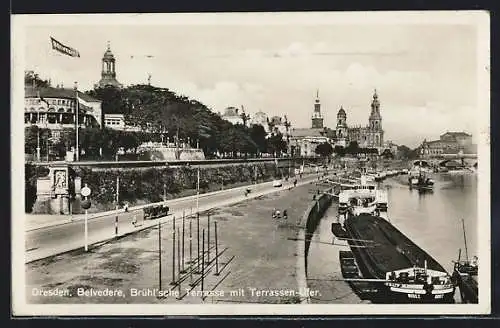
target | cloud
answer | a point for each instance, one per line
(417, 75)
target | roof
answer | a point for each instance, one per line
(231, 111)
(108, 54)
(341, 111)
(306, 132)
(50, 92)
(276, 119)
(457, 134)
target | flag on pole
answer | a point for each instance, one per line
(83, 105)
(58, 46)
(41, 98)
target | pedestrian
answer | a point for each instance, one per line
(134, 220)
(285, 215)
(295, 183)
(125, 207)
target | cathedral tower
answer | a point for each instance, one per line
(376, 134)
(317, 119)
(108, 73)
(341, 131)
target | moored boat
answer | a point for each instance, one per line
(364, 197)
(420, 180)
(401, 270)
(465, 274)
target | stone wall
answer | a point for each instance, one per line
(307, 226)
(143, 185)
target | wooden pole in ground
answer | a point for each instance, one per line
(191, 250)
(159, 255)
(173, 259)
(208, 238)
(198, 238)
(216, 251)
(178, 256)
(183, 228)
(203, 263)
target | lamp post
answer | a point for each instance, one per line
(38, 144)
(77, 112)
(198, 191)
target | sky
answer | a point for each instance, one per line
(425, 74)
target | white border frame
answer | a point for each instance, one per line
(479, 18)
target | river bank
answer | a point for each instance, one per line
(260, 254)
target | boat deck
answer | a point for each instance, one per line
(386, 248)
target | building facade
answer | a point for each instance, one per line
(448, 143)
(108, 71)
(303, 142)
(117, 122)
(260, 118)
(370, 136)
(55, 109)
(279, 125)
(233, 115)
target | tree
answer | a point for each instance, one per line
(258, 135)
(324, 149)
(387, 154)
(353, 148)
(31, 78)
(30, 139)
(276, 144)
(339, 150)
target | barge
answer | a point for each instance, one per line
(400, 270)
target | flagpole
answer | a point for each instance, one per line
(76, 130)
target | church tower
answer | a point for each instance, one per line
(317, 119)
(376, 134)
(108, 73)
(341, 131)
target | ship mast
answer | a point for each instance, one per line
(465, 241)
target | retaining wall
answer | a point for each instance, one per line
(308, 224)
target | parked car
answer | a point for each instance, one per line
(277, 183)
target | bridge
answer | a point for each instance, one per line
(443, 159)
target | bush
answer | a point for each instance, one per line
(147, 185)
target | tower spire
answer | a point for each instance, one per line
(108, 73)
(317, 93)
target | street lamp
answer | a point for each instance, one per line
(38, 144)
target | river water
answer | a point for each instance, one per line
(432, 220)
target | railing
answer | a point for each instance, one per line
(173, 162)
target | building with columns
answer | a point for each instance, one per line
(55, 108)
(370, 136)
(108, 71)
(449, 143)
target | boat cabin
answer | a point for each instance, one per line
(419, 276)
